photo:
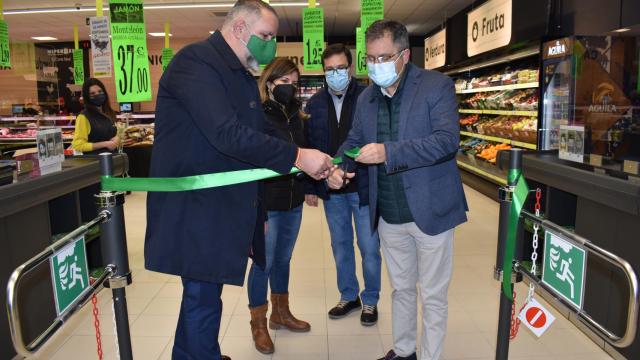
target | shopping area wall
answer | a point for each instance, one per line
(19, 84)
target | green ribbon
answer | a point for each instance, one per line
(353, 153)
(520, 194)
(196, 182)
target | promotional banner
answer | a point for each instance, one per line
(167, 55)
(370, 11)
(361, 52)
(57, 92)
(78, 66)
(313, 37)
(130, 57)
(435, 50)
(5, 58)
(100, 47)
(489, 27)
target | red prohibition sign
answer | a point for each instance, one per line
(536, 317)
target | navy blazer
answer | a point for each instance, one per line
(318, 137)
(424, 154)
(209, 119)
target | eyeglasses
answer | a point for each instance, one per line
(333, 72)
(383, 58)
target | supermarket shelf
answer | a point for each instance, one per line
(500, 140)
(481, 172)
(499, 112)
(499, 88)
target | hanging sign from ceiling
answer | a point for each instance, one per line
(435, 50)
(489, 27)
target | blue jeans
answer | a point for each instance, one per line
(280, 239)
(199, 321)
(339, 209)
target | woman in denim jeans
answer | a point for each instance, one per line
(283, 200)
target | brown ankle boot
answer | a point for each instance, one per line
(259, 330)
(281, 315)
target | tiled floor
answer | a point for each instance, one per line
(154, 301)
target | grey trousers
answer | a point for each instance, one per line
(414, 257)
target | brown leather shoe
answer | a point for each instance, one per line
(259, 330)
(281, 316)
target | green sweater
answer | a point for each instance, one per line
(392, 200)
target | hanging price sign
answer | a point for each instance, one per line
(78, 66)
(167, 55)
(361, 52)
(5, 58)
(313, 37)
(130, 56)
(370, 11)
(100, 47)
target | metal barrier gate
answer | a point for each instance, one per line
(116, 273)
(568, 237)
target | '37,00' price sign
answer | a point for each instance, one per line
(130, 55)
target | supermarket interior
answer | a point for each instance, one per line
(136, 149)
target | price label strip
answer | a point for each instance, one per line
(370, 11)
(78, 66)
(167, 55)
(5, 57)
(313, 37)
(130, 55)
(361, 52)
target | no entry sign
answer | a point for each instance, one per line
(536, 317)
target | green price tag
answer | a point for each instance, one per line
(361, 52)
(78, 66)
(5, 58)
(167, 55)
(313, 37)
(130, 56)
(370, 11)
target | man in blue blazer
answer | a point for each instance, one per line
(209, 119)
(407, 126)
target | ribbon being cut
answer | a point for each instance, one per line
(198, 182)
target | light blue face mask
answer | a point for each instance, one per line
(383, 74)
(338, 80)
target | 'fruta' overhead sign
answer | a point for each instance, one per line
(489, 27)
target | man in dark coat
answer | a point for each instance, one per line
(209, 119)
(332, 110)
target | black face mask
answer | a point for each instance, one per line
(98, 99)
(284, 93)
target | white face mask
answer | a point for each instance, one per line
(384, 74)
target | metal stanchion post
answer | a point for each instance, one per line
(114, 252)
(504, 319)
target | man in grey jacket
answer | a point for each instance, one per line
(407, 126)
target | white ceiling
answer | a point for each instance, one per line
(341, 16)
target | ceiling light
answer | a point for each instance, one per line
(146, 7)
(44, 38)
(158, 34)
(621, 30)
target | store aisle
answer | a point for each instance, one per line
(154, 301)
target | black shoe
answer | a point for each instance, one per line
(344, 308)
(391, 355)
(369, 316)
(225, 357)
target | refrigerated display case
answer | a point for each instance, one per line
(591, 101)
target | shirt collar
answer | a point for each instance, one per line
(228, 56)
(403, 77)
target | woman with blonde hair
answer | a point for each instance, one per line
(283, 198)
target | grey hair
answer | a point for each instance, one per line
(247, 8)
(380, 28)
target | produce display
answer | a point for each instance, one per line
(517, 100)
(508, 127)
(509, 77)
(482, 149)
